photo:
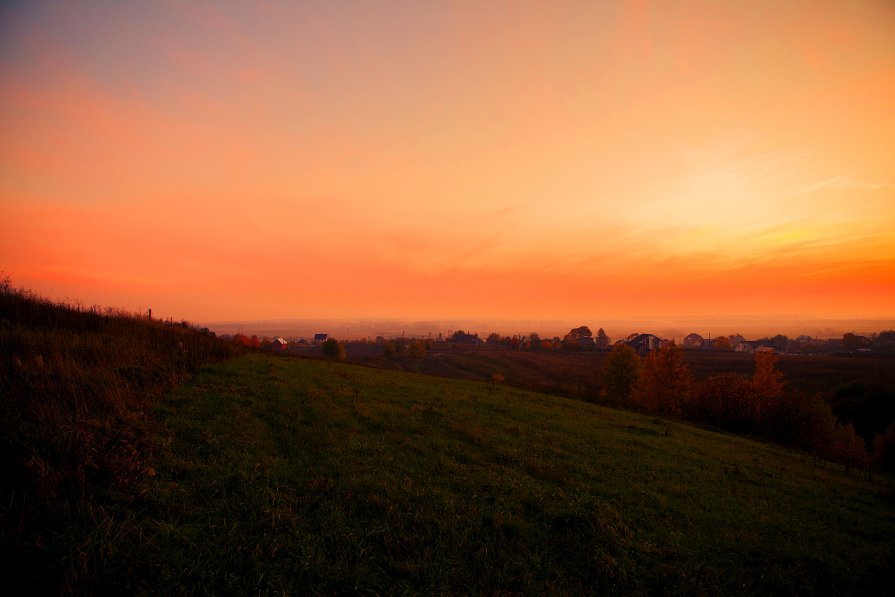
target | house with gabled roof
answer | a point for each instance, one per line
(645, 343)
(693, 340)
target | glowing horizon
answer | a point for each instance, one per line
(562, 162)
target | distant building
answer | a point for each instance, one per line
(320, 337)
(693, 341)
(461, 337)
(279, 344)
(770, 349)
(738, 343)
(736, 339)
(645, 343)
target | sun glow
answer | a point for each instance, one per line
(574, 161)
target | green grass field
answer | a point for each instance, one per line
(276, 475)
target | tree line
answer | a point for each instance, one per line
(760, 405)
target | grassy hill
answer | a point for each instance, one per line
(283, 475)
(77, 391)
(147, 457)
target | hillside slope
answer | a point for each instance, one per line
(77, 387)
(285, 475)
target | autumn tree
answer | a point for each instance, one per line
(534, 341)
(722, 343)
(620, 373)
(333, 349)
(417, 349)
(781, 343)
(884, 342)
(665, 385)
(803, 421)
(848, 448)
(867, 404)
(573, 340)
(767, 385)
(725, 400)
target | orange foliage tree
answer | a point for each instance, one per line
(725, 400)
(619, 374)
(848, 448)
(665, 385)
(417, 349)
(767, 385)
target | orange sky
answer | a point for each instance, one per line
(219, 161)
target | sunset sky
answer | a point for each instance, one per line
(222, 161)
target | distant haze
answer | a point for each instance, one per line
(346, 329)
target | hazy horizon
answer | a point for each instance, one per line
(257, 161)
(355, 328)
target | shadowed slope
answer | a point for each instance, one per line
(278, 474)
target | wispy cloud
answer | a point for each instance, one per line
(837, 183)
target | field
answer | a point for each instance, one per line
(281, 475)
(146, 457)
(577, 374)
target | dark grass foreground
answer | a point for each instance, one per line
(77, 387)
(285, 476)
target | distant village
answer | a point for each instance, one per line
(582, 339)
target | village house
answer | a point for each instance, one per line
(693, 340)
(645, 343)
(279, 343)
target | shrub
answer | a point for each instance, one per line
(867, 404)
(417, 349)
(848, 448)
(333, 349)
(725, 400)
(884, 449)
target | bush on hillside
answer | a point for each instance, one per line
(333, 349)
(620, 373)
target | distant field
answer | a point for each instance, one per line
(577, 374)
(282, 475)
(809, 373)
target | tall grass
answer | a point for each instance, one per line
(77, 386)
